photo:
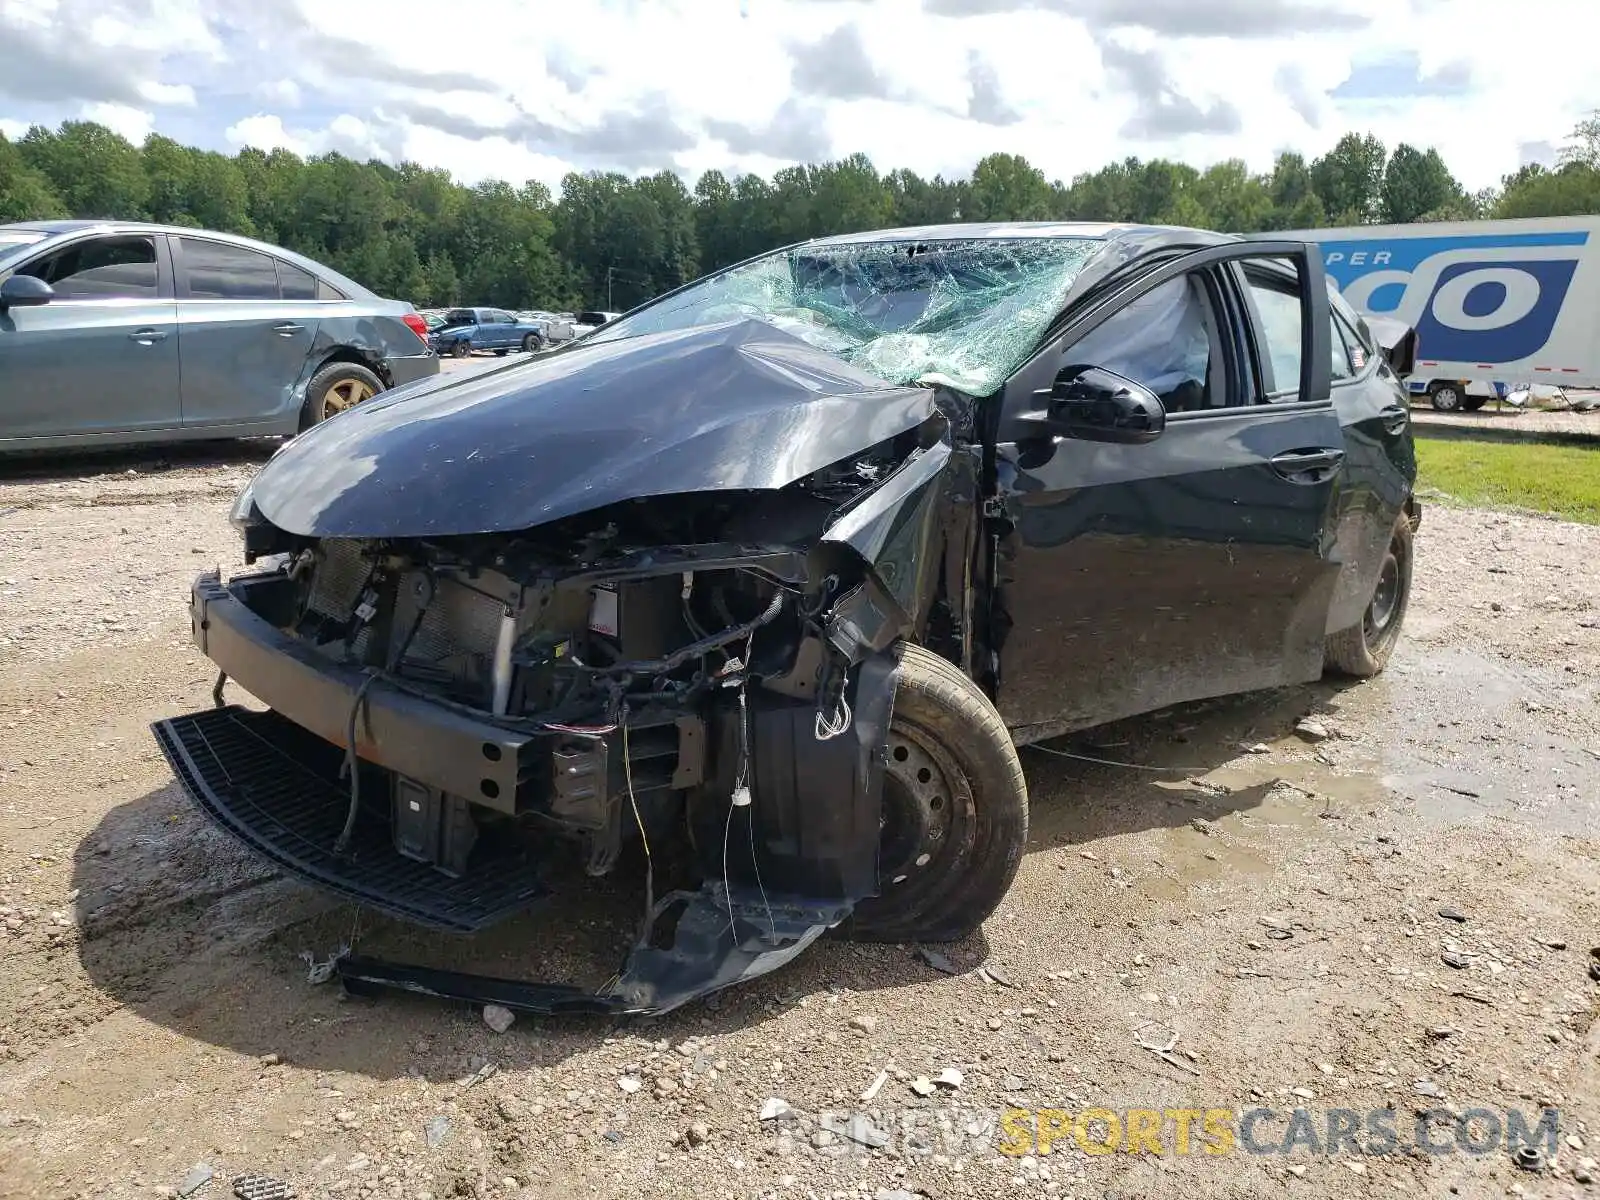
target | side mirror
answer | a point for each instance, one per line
(1398, 342)
(24, 291)
(1093, 404)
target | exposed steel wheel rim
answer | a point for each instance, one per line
(347, 393)
(1385, 606)
(925, 793)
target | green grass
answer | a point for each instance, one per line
(1561, 480)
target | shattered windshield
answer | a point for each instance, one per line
(964, 313)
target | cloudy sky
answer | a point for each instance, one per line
(520, 89)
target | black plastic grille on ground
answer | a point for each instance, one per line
(276, 788)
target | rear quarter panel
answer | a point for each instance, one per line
(376, 337)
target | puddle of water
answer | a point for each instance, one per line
(1469, 739)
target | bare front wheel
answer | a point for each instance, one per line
(336, 387)
(1364, 649)
(955, 809)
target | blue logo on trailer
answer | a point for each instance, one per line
(1484, 298)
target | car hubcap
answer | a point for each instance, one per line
(921, 784)
(1386, 599)
(1449, 399)
(347, 393)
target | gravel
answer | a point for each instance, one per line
(151, 965)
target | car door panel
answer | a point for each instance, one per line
(91, 363)
(242, 354)
(1198, 564)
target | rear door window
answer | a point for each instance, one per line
(220, 272)
(1279, 310)
(111, 268)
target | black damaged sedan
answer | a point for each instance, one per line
(772, 575)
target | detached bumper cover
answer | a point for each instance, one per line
(394, 729)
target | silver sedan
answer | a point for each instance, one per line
(115, 333)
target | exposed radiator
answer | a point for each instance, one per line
(340, 575)
(458, 621)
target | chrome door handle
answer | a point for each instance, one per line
(147, 337)
(287, 329)
(1395, 418)
(1307, 466)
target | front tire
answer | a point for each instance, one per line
(336, 387)
(1363, 650)
(460, 350)
(955, 809)
(532, 344)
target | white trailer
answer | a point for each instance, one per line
(1497, 305)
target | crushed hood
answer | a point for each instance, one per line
(722, 407)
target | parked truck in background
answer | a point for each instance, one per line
(1497, 305)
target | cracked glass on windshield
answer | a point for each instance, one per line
(964, 313)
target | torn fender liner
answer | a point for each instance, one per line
(724, 936)
(736, 406)
(719, 940)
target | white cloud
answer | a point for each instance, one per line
(13, 129)
(172, 94)
(348, 134)
(280, 91)
(265, 131)
(688, 85)
(135, 124)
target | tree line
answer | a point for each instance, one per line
(611, 241)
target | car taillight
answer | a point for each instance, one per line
(417, 325)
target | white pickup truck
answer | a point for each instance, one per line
(1498, 306)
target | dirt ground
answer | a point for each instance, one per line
(1265, 902)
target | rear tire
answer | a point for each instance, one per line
(1445, 396)
(336, 387)
(1364, 649)
(955, 809)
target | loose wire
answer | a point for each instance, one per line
(649, 862)
(1111, 762)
